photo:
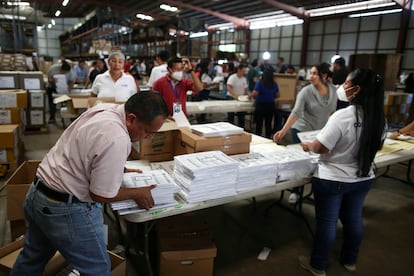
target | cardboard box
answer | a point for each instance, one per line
(185, 246)
(287, 86)
(231, 144)
(37, 98)
(13, 98)
(9, 80)
(31, 80)
(9, 136)
(10, 115)
(35, 117)
(284, 104)
(9, 253)
(17, 186)
(17, 228)
(159, 148)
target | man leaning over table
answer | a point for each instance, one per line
(83, 169)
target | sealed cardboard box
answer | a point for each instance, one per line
(57, 263)
(31, 80)
(37, 98)
(13, 98)
(35, 117)
(9, 136)
(17, 186)
(10, 116)
(287, 85)
(9, 80)
(185, 247)
(17, 228)
(231, 144)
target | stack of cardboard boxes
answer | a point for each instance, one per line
(287, 89)
(397, 107)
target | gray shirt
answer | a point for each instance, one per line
(312, 110)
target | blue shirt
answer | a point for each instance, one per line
(266, 94)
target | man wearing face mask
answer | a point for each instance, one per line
(173, 86)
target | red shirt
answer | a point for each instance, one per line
(173, 93)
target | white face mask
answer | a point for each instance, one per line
(341, 93)
(177, 75)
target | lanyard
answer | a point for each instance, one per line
(175, 91)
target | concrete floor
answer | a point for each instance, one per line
(240, 231)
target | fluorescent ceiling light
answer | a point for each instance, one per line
(223, 26)
(12, 17)
(199, 34)
(375, 13)
(65, 3)
(266, 55)
(53, 22)
(262, 25)
(49, 25)
(144, 17)
(290, 22)
(168, 8)
(359, 6)
(18, 4)
(57, 13)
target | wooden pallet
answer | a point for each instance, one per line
(8, 168)
(36, 130)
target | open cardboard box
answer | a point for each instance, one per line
(9, 253)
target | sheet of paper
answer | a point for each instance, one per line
(181, 120)
(308, 136)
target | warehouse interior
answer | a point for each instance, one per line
(373, 34)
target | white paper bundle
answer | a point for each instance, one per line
(292, 164)
(216, 129)
(255, 171)
(205, 175)
(167, 166)
(163, 193)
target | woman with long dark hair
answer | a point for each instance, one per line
(347, 146)
(265, 91)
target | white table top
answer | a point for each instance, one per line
(219, 106)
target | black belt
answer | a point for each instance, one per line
(55, 195)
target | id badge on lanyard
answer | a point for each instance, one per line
(177, 107)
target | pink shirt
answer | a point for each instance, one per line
(90, 155)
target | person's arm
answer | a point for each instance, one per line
(198, 85)
(231, 91)
(281, 133)
(314, 146)
(142, 196)
(254, 94)
(407, 130)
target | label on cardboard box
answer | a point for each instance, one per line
(31, 83)
(8, 99)
(5, 116)
(7, 82)
(37, 117)
(37, 99)
(3, 155)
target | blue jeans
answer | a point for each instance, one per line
(75, 229)
(335, 200)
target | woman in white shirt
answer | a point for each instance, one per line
(114, 83)
(347, 144)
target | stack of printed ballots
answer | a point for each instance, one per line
(216, 129)
(205, 175)
(163, 193)
(292, 164)
(255, 171)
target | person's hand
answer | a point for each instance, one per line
(394, 135)
(187, 65)
(279, 135)
(143, 197)
(305, 146)
(127, 170)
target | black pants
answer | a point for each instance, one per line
(240, 118)
(52, 106)
(264, 113)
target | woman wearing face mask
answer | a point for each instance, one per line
(174, 87)
(347, 146)
(314, 104)
(114, 82)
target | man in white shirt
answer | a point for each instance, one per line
(161, 70)
(237, 86)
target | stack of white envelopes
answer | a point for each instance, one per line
(216, 129)
(255, 171)
(163, 193)
(292, 164)
(205, 175)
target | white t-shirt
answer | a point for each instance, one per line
(340, 137)
(239, 84)
(156, 73)
(121, 89)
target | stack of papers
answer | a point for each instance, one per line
(167, 166)
(255, 171)
(292, 164)
(205, 175)
(216, 129)
(163, 193)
